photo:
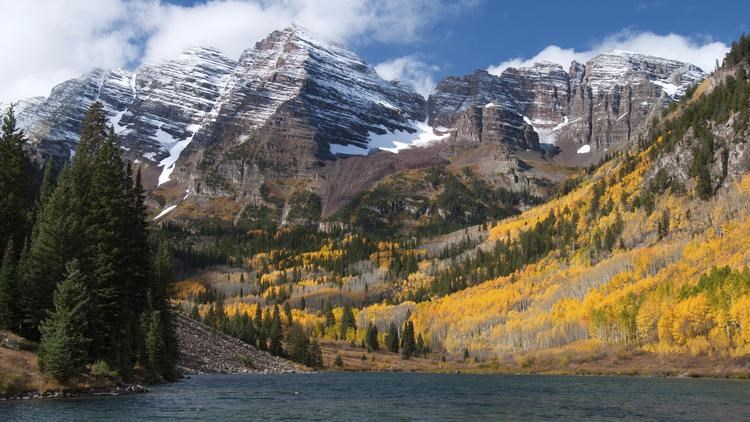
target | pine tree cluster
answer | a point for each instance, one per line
(78, 273)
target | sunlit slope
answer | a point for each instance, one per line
(644, 265)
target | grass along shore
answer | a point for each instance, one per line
(582, 358)
(20, 377)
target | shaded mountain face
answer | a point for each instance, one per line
(288, 98)
(594, 106)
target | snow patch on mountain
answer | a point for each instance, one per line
(396, 141)
(546, 131)
(670, 89)
(584, 149)
(165, 212)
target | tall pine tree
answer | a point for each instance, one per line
(275, 334)
(8, 291)
(371, 337)
(16, 183)
(63, 345)
(408, 343)
(391, 338)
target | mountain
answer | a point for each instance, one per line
(639, 264)
(298, 114)
(594, 106)
(152, 109)
(289, 100)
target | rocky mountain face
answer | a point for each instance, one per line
(285, 117)
(287, 102)
(290, 101)
(602, 103)
(153, 110)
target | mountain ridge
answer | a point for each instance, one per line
(206, 126)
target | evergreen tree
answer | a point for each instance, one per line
(248, 330)
(57, 239)
(16, 183)
(8, 291)
(298, 344)
(63, 345)
(158, 330)
(288, 312)
(314, 355)
(391, 339)
(421, 348)
(338, 361)
(48, 183)
(63, 233)
(663, 224)
(408, 343)
(261, 332)
(328, 314)
(275, 334)
(157, 358)
(120, 286)
(347, 320)
(371, 337)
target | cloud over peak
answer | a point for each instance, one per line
(410, 70)
(52, 41)
(702, 52)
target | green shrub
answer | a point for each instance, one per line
(100, 368)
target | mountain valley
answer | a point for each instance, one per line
(592, 219)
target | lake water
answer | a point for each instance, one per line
(406, 396)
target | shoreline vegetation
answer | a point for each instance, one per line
(582, 359)
(84, 288)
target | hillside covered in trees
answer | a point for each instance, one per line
(644, 253)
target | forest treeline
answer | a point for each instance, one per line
(79, 274)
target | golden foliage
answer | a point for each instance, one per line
(188, 288)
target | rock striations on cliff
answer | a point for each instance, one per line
(279, 118)
(603, 103)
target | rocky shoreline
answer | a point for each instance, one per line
(202, 351)
(92, 392)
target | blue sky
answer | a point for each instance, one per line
(486, 32)
(494, 31)
(417, 41)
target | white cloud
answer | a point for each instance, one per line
(48, 41)
(234, 25)
(45, 42)
(701, 52)
(409, 70)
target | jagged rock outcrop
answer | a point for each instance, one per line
(602, 103)
(290, 101)
(152, 110)
(54, 124)
(494, 123)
